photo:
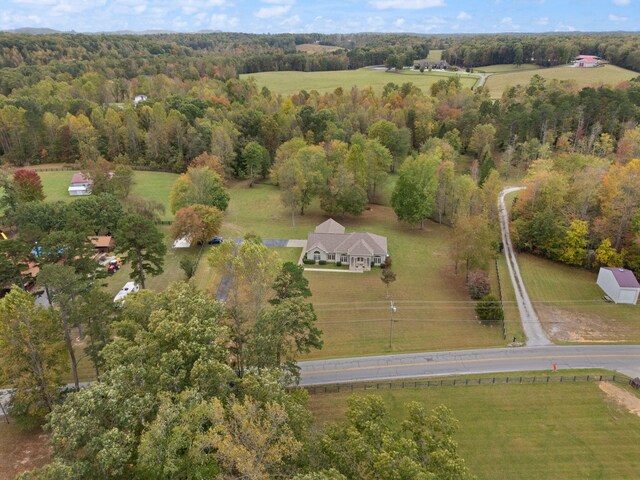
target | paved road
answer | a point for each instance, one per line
(621, 358)
(534, 332)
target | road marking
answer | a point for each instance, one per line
(472, 360)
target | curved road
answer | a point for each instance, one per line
(621, 358)
(536, 335)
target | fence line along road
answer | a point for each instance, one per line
(449, 382)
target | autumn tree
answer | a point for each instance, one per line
(199, 223)
(607, 256)
(256, 159)
(142, 245)
(27, 186)
(413, 198)
(290, 283)
(33, 356)
(200, 185)
(388, 276)
(343, 195)
(575, 243)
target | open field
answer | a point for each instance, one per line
(507, 68)
(582, 77)
(434, 56)
(152, 185)
(434, 311)
(570, 305)
(528, 431)
(316, 48)
(20, 451)
(288, 83)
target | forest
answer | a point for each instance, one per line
(108, 104)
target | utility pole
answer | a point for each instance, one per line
(392, 310)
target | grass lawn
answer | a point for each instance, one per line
(288, 83)
(152, 185)
(507, 68)
(570, 304)
(434, 310)
(316, 48)
(528, 431)
(20, 451)
(582, 77)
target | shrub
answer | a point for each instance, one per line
(308, 261)
(322, 262)
(338, 263)
(489, 310)
(478, 284)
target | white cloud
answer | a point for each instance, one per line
(616, 18)
(621, 3)
(276, 11)
(463, 16)
(399, 22)
(223, 22)
(542, 21)
(563, 27)
(406, 4)
(290, 21)
(375, 23)
(139, 8)
(279, 2)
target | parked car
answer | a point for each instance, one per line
(128, 288)
(216, 241)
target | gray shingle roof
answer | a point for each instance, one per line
(329, 226)
(358, 243)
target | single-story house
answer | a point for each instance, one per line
(359, 250)
(619, 284)
(103, 243)
(587, 61)
(139, 98)
(439, 65)
(80, 185)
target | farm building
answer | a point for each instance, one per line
(587, 61)
(139, 98)
(80, 185)
(619, 284)
(359, 250)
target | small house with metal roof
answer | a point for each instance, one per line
(620, 284)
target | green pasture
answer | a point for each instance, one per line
(580, 77)
(288, 83)
(524, 431)
(507, 68)
(567, 298)
(152, 185)
(433, 308)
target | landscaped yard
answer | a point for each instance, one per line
(528, 431)
(288, 83)
(151, 185)
(433, 309)
(570, 304)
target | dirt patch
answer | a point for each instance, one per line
(567, 326)
(21, 451)
(621, 397)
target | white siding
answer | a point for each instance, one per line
(607, 282)
(628, 295)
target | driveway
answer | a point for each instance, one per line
(536, 336)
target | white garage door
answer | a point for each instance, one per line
(627, 296)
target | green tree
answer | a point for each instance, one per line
(290, 283)
(489, 310)
(413, 197)
(396, 140)
(33, 356)
(13, 257)
(283, 332)
(388, 276)
(343, 195)
(366, 446)
(142, 245)
(256, 159)
(575, 243)
(291, 180)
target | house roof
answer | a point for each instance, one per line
(587, 57)
(326, 238)
(624, 278)
(329, 226)
(80, 178)
(102, 241)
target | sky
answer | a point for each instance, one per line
(324, 16)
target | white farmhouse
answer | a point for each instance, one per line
(619, 284)
(80, 185)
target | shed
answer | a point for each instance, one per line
(102, 243)
(619, 284)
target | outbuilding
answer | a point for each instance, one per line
(619, 284)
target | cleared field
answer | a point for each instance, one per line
(20, 451)
(316, 48)
(582, 77)
(288, 83)
(507, 68)
(434, 56)
(528, 431)
(152, 185)
(570, 304)
(433, 308)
